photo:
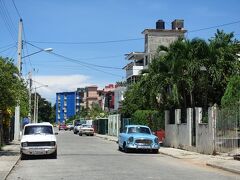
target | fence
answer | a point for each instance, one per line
(228, 130)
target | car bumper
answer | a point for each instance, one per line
(38, 150)
(87, 132)
(147, 147)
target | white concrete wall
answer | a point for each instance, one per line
(176, 135)
(180, 135)
(114, 125)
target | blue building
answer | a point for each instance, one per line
(67, 105)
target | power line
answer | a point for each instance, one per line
(87, 42)
(16, 9)
(7, 20)
(88, 65)
(7, 49)
(7, 46)
(212, 27)
(76, 60)
(126, 40)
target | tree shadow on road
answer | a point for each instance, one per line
(9, 153)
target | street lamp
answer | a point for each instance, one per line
(30, 79)
(35, 113)
(46, 50)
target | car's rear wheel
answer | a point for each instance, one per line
(80, 134)
(155, 151)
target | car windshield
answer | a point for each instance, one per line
(144, 130)
(38, 130)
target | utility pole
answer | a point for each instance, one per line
(17, 108)
(35, 106)
(30, 96)
(37, 110)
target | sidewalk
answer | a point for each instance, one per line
(223, 162)
(9, 156)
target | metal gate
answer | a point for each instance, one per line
(228, 130)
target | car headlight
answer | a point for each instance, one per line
(24, 144)
(156, 140)
(52, 143)
(130, 140)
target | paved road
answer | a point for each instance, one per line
(90, 158)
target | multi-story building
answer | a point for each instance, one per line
(153, 39)
(118, 97)
(67, 105)
(108, 97)
(82, 94)
(91, 96)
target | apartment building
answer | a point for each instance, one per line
(91, 96)
(153, 39)
(67, 105)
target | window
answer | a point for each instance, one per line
(124, 130)
(143, 130)
(38, 130)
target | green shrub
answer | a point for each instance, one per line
(153, 119)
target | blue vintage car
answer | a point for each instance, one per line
(137, 137)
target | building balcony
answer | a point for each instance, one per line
(133, 71)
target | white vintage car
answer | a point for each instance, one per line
(86, 129)
(38, 139)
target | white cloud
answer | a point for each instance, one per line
(61, 83)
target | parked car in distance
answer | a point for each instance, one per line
(76, 128)
(62, 127)
(38, 139)
(70, 126)
(140, 137)
(86, 129)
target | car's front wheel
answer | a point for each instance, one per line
(24, 156)
(126, 150)
(54, 155)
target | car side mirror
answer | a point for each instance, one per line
(56, 133)
(153, 133)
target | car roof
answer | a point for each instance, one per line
(136, 126)
(37, 124)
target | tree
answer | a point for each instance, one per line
(96, 112)
(194, 72)
(12, 87)
(44, 110)
(188, 73)
(232, 94)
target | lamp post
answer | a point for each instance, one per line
(35, 113)
(30, 80)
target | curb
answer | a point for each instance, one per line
(169, 155)
(11, 168)
(223, 168)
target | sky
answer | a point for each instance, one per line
(90, 38)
